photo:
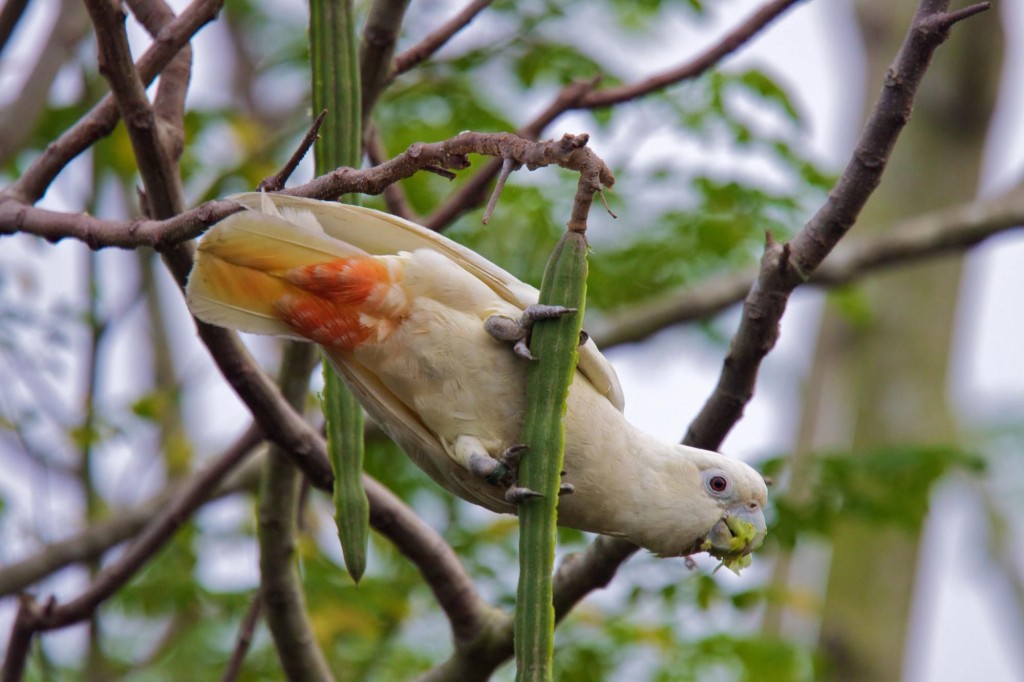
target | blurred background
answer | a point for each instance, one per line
(889, 416)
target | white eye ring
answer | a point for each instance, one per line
(717, 483)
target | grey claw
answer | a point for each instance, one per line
(566, 489)
(504, 328)
(516, 494)
(538, 311)
(584, 337)
(522, 350)
(482, 465)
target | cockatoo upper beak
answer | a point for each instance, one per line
(739, 532)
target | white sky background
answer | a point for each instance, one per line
(961, 630)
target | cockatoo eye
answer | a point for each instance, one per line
(716, 482)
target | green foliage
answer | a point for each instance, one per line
(679, 222)
(885, 487)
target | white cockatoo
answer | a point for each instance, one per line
(401, 312)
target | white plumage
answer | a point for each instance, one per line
(400, 311)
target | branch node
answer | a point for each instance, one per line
(438, 170)
(507, 166)
(947, 19)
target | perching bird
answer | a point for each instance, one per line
(401, 313)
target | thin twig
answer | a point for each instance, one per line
(102, 118)
(507, 166)
(700, 64)
(394, 196)
(437, 38)
(932, 235)
(244, 639)
(582, 95)
(277, 181)
(34, 618)
(169, 101)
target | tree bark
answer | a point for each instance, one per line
(883, 381)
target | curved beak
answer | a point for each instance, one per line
(739, 532)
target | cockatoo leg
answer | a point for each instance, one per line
(502, 471)
(505, 328)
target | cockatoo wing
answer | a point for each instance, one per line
(381, 233)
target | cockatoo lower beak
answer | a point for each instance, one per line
(740, 531)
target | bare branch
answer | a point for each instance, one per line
(569, 152)
(729, 43)
(32, 618)
(157, 167)
(437, 38)
(394, 197)
(279, 507)
(277, 181)
(786, 266)
(100, 121)
(93, 541)
(927, 236)
(19, 117)
(169, 102)
(376, 47)
(10, 15)
(244, 640)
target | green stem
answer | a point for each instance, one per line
(336, 89)
(554, 344)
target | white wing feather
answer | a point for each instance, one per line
(381, 233)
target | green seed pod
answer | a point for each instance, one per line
(345, 446)
(554, 344)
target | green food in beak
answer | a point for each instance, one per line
(739, 532)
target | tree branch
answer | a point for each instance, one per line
(34, 618)
(124, 524)
(923, 237)
(436, 39)
(766, 301)
(376, 47)
(581, 95)
(280, 586)
(729, 43)
(158, 170)
(786, 266)
(169, 102)
(570, 152)
(102, 118)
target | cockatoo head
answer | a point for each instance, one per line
(722, 511)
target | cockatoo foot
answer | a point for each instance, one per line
(502, 470)
(504, 328)
(516, 494)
